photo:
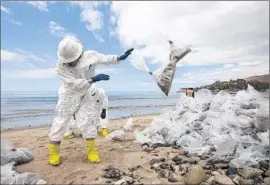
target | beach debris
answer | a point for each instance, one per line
(9, 175)
(112, 173)
(117, 135)
(164, 75)
(16, 155)
(195, 175)
(128, 125)
(10, 158)
(223, 132)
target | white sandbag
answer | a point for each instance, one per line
(9, 175)
(117, 135)
(165, 79)
(128, 125)
(164, 75)
(225, 130)
(17, 155)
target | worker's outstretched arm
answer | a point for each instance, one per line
(112, 59)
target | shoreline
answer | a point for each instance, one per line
(49, 125)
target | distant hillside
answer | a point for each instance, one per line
(260, 83)
(262, 78)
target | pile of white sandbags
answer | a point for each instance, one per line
(223, 125)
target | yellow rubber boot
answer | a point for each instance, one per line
(92, 151)
(54, 156)
(104, 132)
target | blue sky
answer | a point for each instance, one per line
(30, 32)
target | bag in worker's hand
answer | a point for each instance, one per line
(163, 76)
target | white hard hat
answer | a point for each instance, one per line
(69, 49)
(93, 89)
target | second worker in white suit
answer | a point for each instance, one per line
(76, 79)
(99, 100)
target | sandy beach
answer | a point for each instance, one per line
(74, 168)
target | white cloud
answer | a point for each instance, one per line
(41, 5)
(222, 32)
(58, 30)
(227, 66)
(255, 63)
(11, 56)
(38, 73)
(98, 37)
(91, 16)
(186, 74)
(18, 56)
(16, 22)
(5, 10)
(31, 74)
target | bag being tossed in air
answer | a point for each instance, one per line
(164, 76)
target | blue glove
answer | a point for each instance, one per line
(100, 77)
(126, 54)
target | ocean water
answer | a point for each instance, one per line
(21, 109)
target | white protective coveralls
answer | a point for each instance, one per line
(98, 101)
(74, 96)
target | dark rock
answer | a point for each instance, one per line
(231, 171)
(191, 160)
(172, 178)
(205, 156)
(256, 166)
(257, 179)
(161, 174)
(172, 168)
(133, 169)
(264, 164)
(267, 173)
(164, 166)
(157, 145)
(208, 171)
(208, 167)
(153, 161)
(112, 173)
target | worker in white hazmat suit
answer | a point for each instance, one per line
(74, 95)
(100, 100)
